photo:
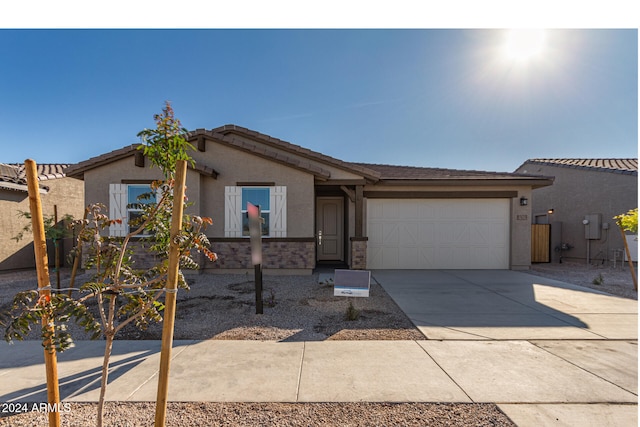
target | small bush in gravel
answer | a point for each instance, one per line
(352, 313)
(270, 300)
(599, 280)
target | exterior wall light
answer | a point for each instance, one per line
(524, 201)
(550, 211)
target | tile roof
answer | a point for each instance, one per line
(14, 177)
(623, 166)
(299, 150)
(311, 161)
(259, 151)
(78, 170)
(392, 172)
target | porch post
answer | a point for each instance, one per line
(358, 241)
(359, 211)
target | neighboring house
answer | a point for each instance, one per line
(319, 209)
(584, 190)
(57, 192)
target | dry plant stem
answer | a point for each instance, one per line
(103, 318)
(105, 377)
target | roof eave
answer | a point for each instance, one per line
(12, 186)
(317, 172)
(78, 170)
(473, 181)
(298, 150)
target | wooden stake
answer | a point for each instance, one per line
(171, 289)
(42, 268)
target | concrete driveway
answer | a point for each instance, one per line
(562, 352)
(506, 305)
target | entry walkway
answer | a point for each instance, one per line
(537, 379)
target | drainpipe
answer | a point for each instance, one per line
(586, 224)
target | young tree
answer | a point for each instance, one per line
(123, 294)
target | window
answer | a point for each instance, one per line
(126, 203)
(259, 196)
(137, 197)
(273, 205)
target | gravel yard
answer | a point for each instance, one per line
(615, 281)
(297, 308)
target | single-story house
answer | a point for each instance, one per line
(580, 206)
(58, 193)
(319, 209)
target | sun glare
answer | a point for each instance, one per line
(523, 45)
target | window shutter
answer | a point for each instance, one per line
(233, 212)
(118, 209)
(278, 217)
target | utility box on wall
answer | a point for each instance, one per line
(592, 226)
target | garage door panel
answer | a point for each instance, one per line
(427, 257)
(390, 233)
(408, 234)
(480, 234)
(426, 233)
(408, 257)
(438, 233)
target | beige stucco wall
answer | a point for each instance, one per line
(336, 172)
(65, 193)
(97, 180)
(576, 193)
(207, 193)
(235, 166)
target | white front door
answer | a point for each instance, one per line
(330, 228)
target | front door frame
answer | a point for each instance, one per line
(339, 237)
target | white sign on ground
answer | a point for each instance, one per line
(351, 283)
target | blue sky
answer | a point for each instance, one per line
(436, 98)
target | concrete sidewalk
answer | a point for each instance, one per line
(548, 353)
(533, 382)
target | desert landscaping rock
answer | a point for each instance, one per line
(118, 414)
(615, 281)
(296, 308)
